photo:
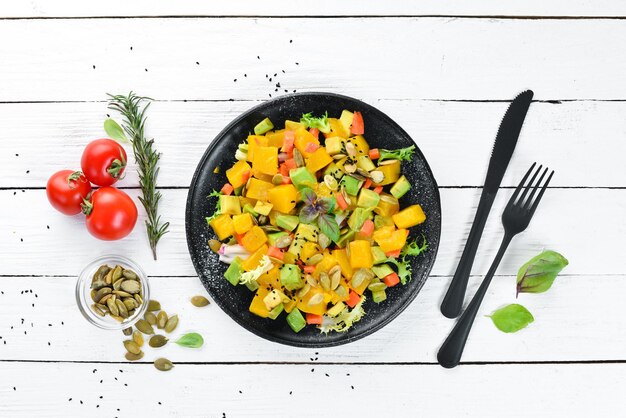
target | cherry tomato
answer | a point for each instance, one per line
(103, 161)
(66, 190)
(111, 214)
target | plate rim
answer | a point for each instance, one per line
(270, 337)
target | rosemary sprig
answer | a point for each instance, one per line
(133, 110)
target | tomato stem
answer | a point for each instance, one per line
(87, 206)
(116, 168)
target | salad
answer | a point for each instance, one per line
(311, 221)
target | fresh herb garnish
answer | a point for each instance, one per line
(191, 340)
(402, 264)
(147, 159)
(402, 154)
(218, 206)
(115, 131)
(538, 274)
(321, 123)
(319, 209)
(511, 318)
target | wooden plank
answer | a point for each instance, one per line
(565, 328)
(577, 222)
(40, 8)
(434, 58)
(456, 137)
(270, 391)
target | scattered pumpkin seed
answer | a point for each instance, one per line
(171, 323)
(116, 274)
(132, 347)
(316, 299)
(302, 292)
(138, 338)
(133, 357)
(143, 326)
(350, 149)
(154, 305)
(331, 182)
(199, 301)
(101, 293)
(297, 156)
(323, 240)
(350, 168)
(131, 286)
(388, 162)
(161, 319)
(283, 242)
(339, 156)
(98, 309)
(157, 341)
(121, 293)
(311, 280)
(112, 306)
(277, 180)
(108, 279)
(130, 304)
(129, 274)
(150, 318)
(121, 308)
(325, 281)
(163, 364)
(139, 299)
(314, 259)
(377, 176)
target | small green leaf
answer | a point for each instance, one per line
(402, 154)
(308, 195)
(321, 123)
(328, 226)
(191, 340)
(308, 214)
(538, 274)
(511, 318)
(115, 131)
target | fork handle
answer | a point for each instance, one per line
(450, 352)
(453, 300)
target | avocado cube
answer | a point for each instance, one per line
(296, 246)
(345, 239)
(378, 255)
(368, 199)
(247, 208)
(288, 222)
(295, 320)
(358, 217)
(400, 187)
(234, 271)
(365, 163)
(308, 231)
(273, 237)
(264, 208)
(382, 270)
(351, 184)
(346, 119)
(336, 310)
(252, 286)
(380, 221)
(301, 177)
(264, 126)
(333, 170)
(276, 311)
(379, 296)
(334, 145)
(291, 277)
(230, 205)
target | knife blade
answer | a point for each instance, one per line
(503, 147)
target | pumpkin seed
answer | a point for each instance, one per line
(131, 286)
(302, 292)
(350, 149)
(345, 196)
(349, 168)
(341, 292)
(112, 306)
(122, 294)
(121, 308)
(199, 301)
(314, 259)
(331, 182)
(388, 162)
(104, 298)
(138, 298)
(323, 240)
(130, 304)
(117, 318)
(325, 281)
(163, 364)
(131, 275)
(377, 287)
(101, 293)
(157, 341)
(132, 347)
(108, 279)
(262, 220)
(215, 245)
(150, 318)
(297, 156)
(138, 338)
(171, 324)
(154, 305)
(133, 357)
(364, 173)
(116, 274)
(316, 299)
(143, 326)
(377, 176)
(335, 277)
(98, 309)
(161, 319)
(283, 242)
(270, 228)
(339, 156)
(359, 276)
(117, 285)
(310, 280)
(277, 180)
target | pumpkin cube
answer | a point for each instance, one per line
(254, 239)
(255, 141)
(360, 254)
(302, 138)
(284, 197)
(265, 160)
(276, 138)
(390, 239)
(409, 216)
(344, 262)
(238, 174)
(257, 189)
(242, 223)
(222, 226)
(254, 259)
(391, 173)
(318, 160)
(257, 306)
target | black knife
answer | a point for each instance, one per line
(503, 147)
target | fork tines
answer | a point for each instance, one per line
(525, 201)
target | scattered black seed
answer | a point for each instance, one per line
(235, 80)
(100, 381)
(352, 386)
(245, 75)
(100, 396)
(94, 67)
(197, 63)
(270, 80)
(312, 370)
(327, 375)
(257, 57)
(48, 226)
(14, 193)
(81, 402)
(17, 155)
(146, 69)
(94, 370)
(125, 384)
(290, 392)
(27, 171)
(347, 374)
(48, 343)
(14, 388)
(69, 400)
(270, 94)
(160, 403)
(240, 392)
(22, 239)
(275, 74)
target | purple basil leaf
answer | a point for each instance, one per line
(308, 196)
(324, 205)
(328, 225)
(308, 214)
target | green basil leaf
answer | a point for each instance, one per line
(538, 274)
(328, 226)
(191, 340)
(511, 318)
(114, 130)
(308, 196)
(308, 214)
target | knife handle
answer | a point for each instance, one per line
(453, 301)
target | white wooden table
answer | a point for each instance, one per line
(443, 70)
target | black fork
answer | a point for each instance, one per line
(515, 219)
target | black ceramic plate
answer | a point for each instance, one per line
(380, 132)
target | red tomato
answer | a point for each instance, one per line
(66, 190)
(103, 161)
(111, 214)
